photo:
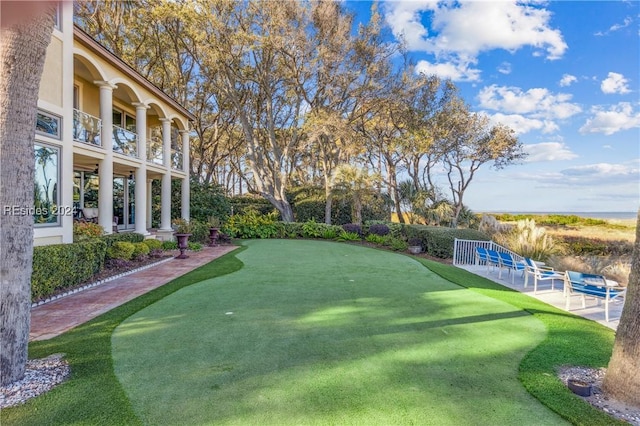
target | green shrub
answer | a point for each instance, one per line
(194, 246)
(438, 241)
(376, 239)
(61, 266)
(129, 237)
(348, 236)
(397, 244)
(86, 230)
(331, 232)
(289, 229)
(121, 250)
(312, 229)
(153, 244)
(169, 245)
(199, 231)
(252, 224)
(140, 250)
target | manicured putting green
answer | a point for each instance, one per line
(311, 332)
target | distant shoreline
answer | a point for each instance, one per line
(591, 215)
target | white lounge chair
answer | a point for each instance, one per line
(540, 273)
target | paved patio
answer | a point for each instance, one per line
(594, 309)
(56, 317)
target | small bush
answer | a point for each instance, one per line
(331, 232)
(140, 250)
(397, 244)
(348, 236)
(194, 246)
(121, 250)
(169, 245)
(252, 224)
(312, 229)
(129, 237)
(353, 228)
(118, 264)
(379, 229)
(375, 239)
(83, 231)
(153, 244)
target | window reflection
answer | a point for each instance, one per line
(46, 185)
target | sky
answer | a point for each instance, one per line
(562, 74)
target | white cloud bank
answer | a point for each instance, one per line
(615, 83)
(459, 32)
(548, 151)
(617, 118)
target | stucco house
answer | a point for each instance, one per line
(104, 133)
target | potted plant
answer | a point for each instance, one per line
(182, 232)
(214, 229)
(415, 245)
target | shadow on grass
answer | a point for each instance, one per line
(571, 341)
(93, 395)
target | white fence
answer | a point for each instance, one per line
(464, 251)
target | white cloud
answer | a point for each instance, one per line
(454, 71)
(614, 83)
(521, 124)
(459, 32)
(615, 27)
(619, 117)
(548, 151)
(504, 68)
(538, 102)
(567, 80)
(601, 173)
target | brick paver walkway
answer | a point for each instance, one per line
(56, 317)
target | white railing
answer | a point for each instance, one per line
(464, 251)
(86, 128)
(125, 141)
(155, 153)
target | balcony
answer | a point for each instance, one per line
(86, 128)
(155, 153)
(125, 142)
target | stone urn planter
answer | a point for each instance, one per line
(213, 236)
(415, 246)
(183, 244)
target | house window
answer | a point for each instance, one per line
(56, 18)
(48, 124)
(124, 120)
(46, 185)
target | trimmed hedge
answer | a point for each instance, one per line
(128, 237)
(61, 266)
(438, 241)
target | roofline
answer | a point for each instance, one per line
(121, 65)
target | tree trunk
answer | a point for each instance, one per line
(23, 45)
(622, 380)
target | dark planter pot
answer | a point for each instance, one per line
(213, 236)
(183, 244)
(579, 387)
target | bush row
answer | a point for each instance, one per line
(61, 266)
(435, 241)
(438, 241)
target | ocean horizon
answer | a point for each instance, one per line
(592, 215)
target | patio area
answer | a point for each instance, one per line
(594, 308)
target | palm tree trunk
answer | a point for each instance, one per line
(622, 380)
(23, 45)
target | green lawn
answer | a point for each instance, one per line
(325, 333)
(311, 332)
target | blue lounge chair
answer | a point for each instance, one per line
(482, 257)
(597, 286)
(493, 259)
(540, 273)
(507, 261)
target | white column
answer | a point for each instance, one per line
(186, 198)
(105, 171)
(165, 214)
(149, 202)
(141, 171)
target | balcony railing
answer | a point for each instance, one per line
(154, 150)
(176, 159)
(86, 128)
(125, 141)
